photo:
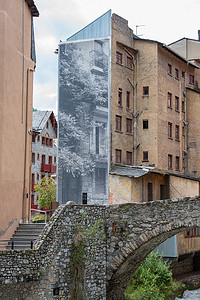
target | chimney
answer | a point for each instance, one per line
(199, 35)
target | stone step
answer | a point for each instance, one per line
(27, 232)
(32, 226)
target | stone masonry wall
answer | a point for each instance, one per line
(131, 232)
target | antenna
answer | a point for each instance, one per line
(137, 28)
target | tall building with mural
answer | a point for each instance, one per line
(17, 64)
(128, 119)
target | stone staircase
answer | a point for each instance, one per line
(25, 235)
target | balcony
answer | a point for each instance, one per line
(53, 169)
(34, 206)
(45, 168)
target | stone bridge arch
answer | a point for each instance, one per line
(134, 230)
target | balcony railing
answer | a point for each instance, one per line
(45, 168)
(53, 169)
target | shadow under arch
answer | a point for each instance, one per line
(120, 276)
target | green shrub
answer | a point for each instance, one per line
(39, 218)
(152, 280)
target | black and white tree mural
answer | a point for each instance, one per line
(83, 116)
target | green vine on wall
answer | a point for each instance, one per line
(81, 237)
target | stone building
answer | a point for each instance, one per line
(44, 149)
(151, 100)
(17, 64)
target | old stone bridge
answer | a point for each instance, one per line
(92, 252)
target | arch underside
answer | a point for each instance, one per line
(122, 276)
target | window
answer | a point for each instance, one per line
(183, 106)
(43, 159)
(33, 158)
(183, 74)
(129, 62)
(145, 124)
(84, 198)
(177, 133)
(38, 138)
(38, 176)
(33, 138)
(129, 158)
(176, 103)
(191, 79)
(119, 123)
(47, 125)
(145, 91)
(177, 163)
(50, 160)
(38, 156)
(47, 142)
(120, 97)
(54, 159)
(169, 130)
(169, 161)
(97, 139)
(43, 140)
(169, 69)
(145, 156)
(118, 57)
(169, 100)
(128, 125)
(118, 154)
(176, 74)
(50, 142)
(128, 100)
(33, 177)
(193, 232)
(150, 191)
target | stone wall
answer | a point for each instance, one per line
(107, 254)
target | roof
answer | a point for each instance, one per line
(168, 49)
(194, 40)
(129, 171)
(40, 118)
(33, 8)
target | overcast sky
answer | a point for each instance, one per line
(165, 21)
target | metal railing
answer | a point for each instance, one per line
(46, 212)
(6, 244)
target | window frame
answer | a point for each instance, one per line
(120, 97)
(119, 57)
(177, 103)
(128, 100)
(118, 156)
(145, 91)
(145, 156)
(169, 100)
(177, 133)
(176, 74)
(129, 62)
(129, 125)
(118, 123)
(129, 158)
(191, 79)
(177, 163)
(170, 161)
(169, 130)
(169, 69)
(33, 158)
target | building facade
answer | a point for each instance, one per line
(17, 64)
(44, 149)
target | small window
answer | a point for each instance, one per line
(191, 79)
(38, 176)
(177, 133)
(176, 103)
(54, 159)
(169, 69)
(176, 74)
(84, 198)
(50, 142)
(120, 97)
(47, 142)
(33, 158)
(118, 57)
(38, 156)
(128, 100)
(118, 154)
(145, 124)
(129, 62)
(183, 74)
(183, 106)
(118, 123)
(33, 138)
(43, 140)
(128, 125)
(150, 191)
(169, 161)
(169, 100)
(129, 158)
(169, 130)
(38, 138)
(50, 160)
(145, 156)
(47, 125)
(145, 91)
(33, 177)
(177, 163)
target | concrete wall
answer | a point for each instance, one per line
(16, 90)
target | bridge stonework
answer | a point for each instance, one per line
(131, 232)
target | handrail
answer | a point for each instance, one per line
(43, 211)
(12, 242)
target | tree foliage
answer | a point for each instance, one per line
(152, 280)
(46, 191)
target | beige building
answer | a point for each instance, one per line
(17, 64)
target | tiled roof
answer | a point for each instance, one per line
(40, 118)
(129, 171)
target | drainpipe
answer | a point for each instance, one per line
(22, 120)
